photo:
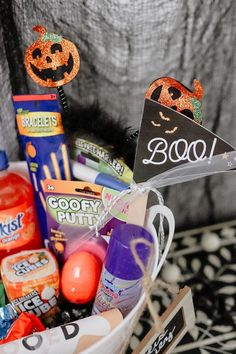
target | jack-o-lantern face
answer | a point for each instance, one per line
(173, 94)
(52, 60)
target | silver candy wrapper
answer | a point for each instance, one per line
(7, 316)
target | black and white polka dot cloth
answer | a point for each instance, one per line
(205, 260)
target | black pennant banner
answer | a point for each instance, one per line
(172, 148)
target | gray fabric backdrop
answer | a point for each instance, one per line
(124, 45)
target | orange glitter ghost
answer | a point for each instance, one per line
(173, 94)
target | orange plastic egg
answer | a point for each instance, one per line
(80, 277)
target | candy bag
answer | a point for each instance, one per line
(26, 324)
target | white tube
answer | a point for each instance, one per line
(70, 338)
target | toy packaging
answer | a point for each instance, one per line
(72, 209)
(99, 158)
(40, 128)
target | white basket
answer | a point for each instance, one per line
(113, 342)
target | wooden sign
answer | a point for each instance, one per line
(178, 318)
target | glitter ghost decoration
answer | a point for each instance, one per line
(173, 94)
(51, 60)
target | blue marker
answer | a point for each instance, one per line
(88, 174)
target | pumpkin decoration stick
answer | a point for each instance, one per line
(170, 93)
(52, 61)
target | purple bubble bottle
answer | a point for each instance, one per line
(120, 283)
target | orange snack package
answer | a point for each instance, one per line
(31, 281)
(25, 325)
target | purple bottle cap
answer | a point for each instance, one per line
(120, 261)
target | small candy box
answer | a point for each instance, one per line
(31, 281)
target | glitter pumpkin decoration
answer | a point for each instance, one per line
(173, 94)
(51, 60)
